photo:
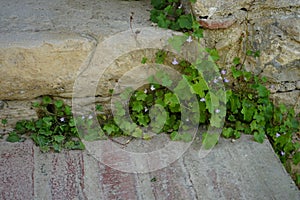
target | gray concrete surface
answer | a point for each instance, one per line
(240, 170)
(94, 17)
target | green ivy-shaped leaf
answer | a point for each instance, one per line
(248, 109)
(259, 137)
(227, 132)
(13, 137)
(183, 89)
(140, 96)
(137, 106)
(171, 99)
(58, 103)
(46, 100)
(209, 140)
(185, 21)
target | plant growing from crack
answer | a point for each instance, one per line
(249, 109)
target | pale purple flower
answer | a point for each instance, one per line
(223, 72)
(277, 135)
(145, 91)
(202, 99)
(189, 40)
(175, 62)
(217, 110)
(62, 119)
(152, 88)
(215, 80)
(226, 80)
(282, 153)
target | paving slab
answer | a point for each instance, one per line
(17, 170)
(240, 170)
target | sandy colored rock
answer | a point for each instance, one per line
(33, 64)
(44, 44)
(270, 27)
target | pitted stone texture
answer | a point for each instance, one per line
(241, 170)
(17, 170)
(33, 64)
(271, 27)
(44, 43)
(291, 98)
(94, 17)
(14, 111)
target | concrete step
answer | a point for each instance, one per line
(240, 170)
(43, 44)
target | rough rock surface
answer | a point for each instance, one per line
(271, 27)
(43, 45)
(41, 64)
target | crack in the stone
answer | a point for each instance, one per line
(189, 180)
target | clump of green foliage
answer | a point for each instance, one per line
(170, 14)
(54, 129)
(249, 107)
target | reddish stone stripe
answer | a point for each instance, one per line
(116, 184)
(67, 176)
(168, 183)
(16, 170)
(82, 176)
(217, 24)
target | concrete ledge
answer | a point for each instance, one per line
(240, 170)
(35, 64)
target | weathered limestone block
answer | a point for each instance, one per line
(271, 27)
(32, 64)
(43, 43)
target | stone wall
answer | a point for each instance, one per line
(42, 45)
(269, 26)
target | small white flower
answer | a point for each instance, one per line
(152, 88)
(282, 153)
(82, 117)
(146, 109)
(175, 62)
(145, 91)
(217, 110)
(202, 99)
(215, 80)
(187, 120)
(90, 117)
(277, 135)
(220, 78)
(226, 80)
(62, 119)
(223, 72)
(189, 40)
(180, 6)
